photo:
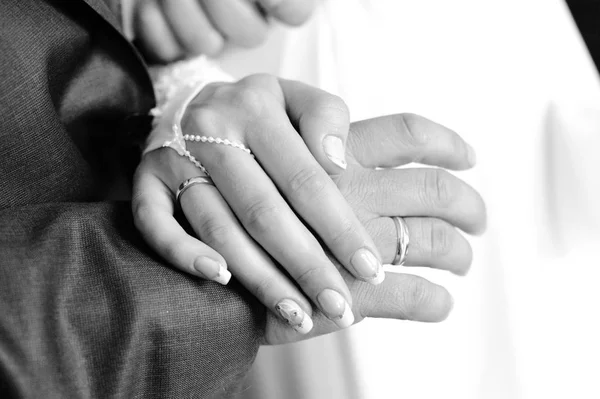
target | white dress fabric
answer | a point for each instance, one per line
(512, 77)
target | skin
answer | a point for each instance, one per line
(172, 29)
(348, 211)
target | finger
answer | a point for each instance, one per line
(290, 12)
(323, 121)
(152, 206)
(400, 296)
(267, 217)
(154, 33)
(405, 297)
(396, 140)
(311, 193)
(433, 243)
(191, 27)
(213, 221)
(423, 192)
(237, 20)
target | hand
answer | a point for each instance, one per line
(172, 29)
(431, 202)
(257, 215)
(318, 116)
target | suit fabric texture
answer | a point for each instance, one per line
(87, 310)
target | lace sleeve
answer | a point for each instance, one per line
(175, 86)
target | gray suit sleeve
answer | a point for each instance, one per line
(88, 311)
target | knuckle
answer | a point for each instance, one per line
(173, 250)
(259, 216)
(437, 188)
(260, 80)
(215, 233)
(211, 89)
(307, 183)
(313, 276)
(440, 239)
(414, 297)
(335, 103)
(248, 98)
(262, 287)
(332, 110)
(203, 118)
(408, 124)
(343, 234)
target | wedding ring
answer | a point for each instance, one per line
(189, 183)
(402, 241)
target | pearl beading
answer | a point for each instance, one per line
(217, 140)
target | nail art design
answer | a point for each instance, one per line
(294, 315)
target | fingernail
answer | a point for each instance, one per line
(471, 155)
(295, 316)
(368, 266)
(212, 270)
(334, 149)
(336, 308)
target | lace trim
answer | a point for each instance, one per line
(175, 86)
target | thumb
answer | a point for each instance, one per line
(323, 121)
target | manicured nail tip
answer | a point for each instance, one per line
(378, 279)
(335, 307)
(334, 149)
(339, 162)
(346, 319)
(305, 327)
(223, 277)
(211, 269)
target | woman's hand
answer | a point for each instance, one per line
(432, 202)
(173, 29)
(245, 218)
(265, 211)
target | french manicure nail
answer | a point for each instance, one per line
(368, 266)
(334, 149)
(336, 308)
(212, 270)
(295, 316)
(471, 155)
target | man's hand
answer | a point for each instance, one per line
(375, 195)
(173, 29)
(264, 215)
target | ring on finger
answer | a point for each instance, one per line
(402, 241)
(189, 183)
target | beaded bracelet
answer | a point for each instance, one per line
(217, 140)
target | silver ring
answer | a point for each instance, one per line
(190, 182)
(402, 241)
